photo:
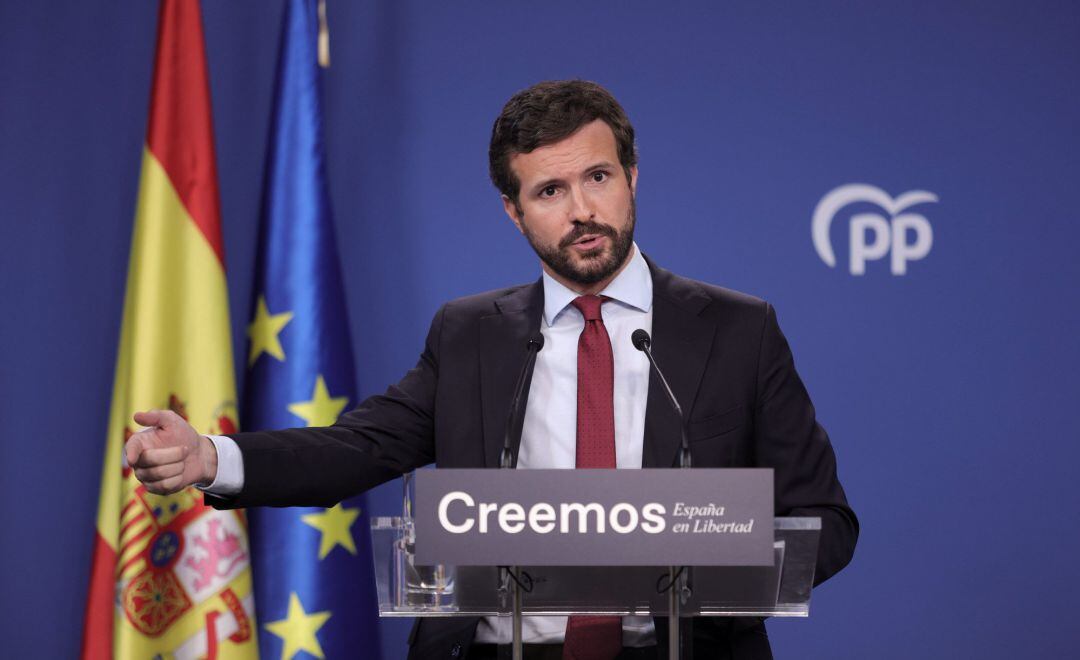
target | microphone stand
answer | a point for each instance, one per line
(679, 584)
(512, 581)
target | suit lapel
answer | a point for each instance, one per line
(681, 341)
(504, 336)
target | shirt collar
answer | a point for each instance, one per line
(632, 287)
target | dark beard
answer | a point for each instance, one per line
(597, 267)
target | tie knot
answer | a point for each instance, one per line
(589, 306)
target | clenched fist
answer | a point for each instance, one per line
(170, 455)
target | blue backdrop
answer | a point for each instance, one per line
(949, 391)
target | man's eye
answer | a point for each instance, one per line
(548, 192)
(599, 177)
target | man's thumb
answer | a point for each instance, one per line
(149, 418)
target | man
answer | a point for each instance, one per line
(562, 154)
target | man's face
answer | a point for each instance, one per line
(576, 207)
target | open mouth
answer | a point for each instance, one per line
(589, 242)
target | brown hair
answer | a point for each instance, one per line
(550, 111)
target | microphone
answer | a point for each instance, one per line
(506, 458)
(643, 343)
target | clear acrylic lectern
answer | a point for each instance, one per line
(408, 590)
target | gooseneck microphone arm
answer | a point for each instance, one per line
(506, 458)
(643, 343)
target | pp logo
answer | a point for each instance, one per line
(872, 234)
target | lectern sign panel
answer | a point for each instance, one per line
(660, 517)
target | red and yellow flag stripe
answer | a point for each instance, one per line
(171, 576)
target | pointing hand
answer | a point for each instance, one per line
(170, 455)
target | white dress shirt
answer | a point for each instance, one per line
(549, 432)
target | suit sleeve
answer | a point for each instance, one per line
(382, 438)
(789, 439)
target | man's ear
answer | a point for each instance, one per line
(512, 212)
(633, 180)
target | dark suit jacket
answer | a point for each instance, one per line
(722, 352)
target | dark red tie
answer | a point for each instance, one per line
(594, 637)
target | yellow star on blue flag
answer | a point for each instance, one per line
(335, 525)
(263, 332)
(322, 409)
(298, 630)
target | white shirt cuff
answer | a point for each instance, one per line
(230, 468)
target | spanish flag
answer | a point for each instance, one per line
(171, 577)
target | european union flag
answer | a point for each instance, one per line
(312, 568)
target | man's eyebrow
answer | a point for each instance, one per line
(602, 165)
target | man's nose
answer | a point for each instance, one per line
(581, 208)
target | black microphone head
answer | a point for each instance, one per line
(641, 339)
(536, 343)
